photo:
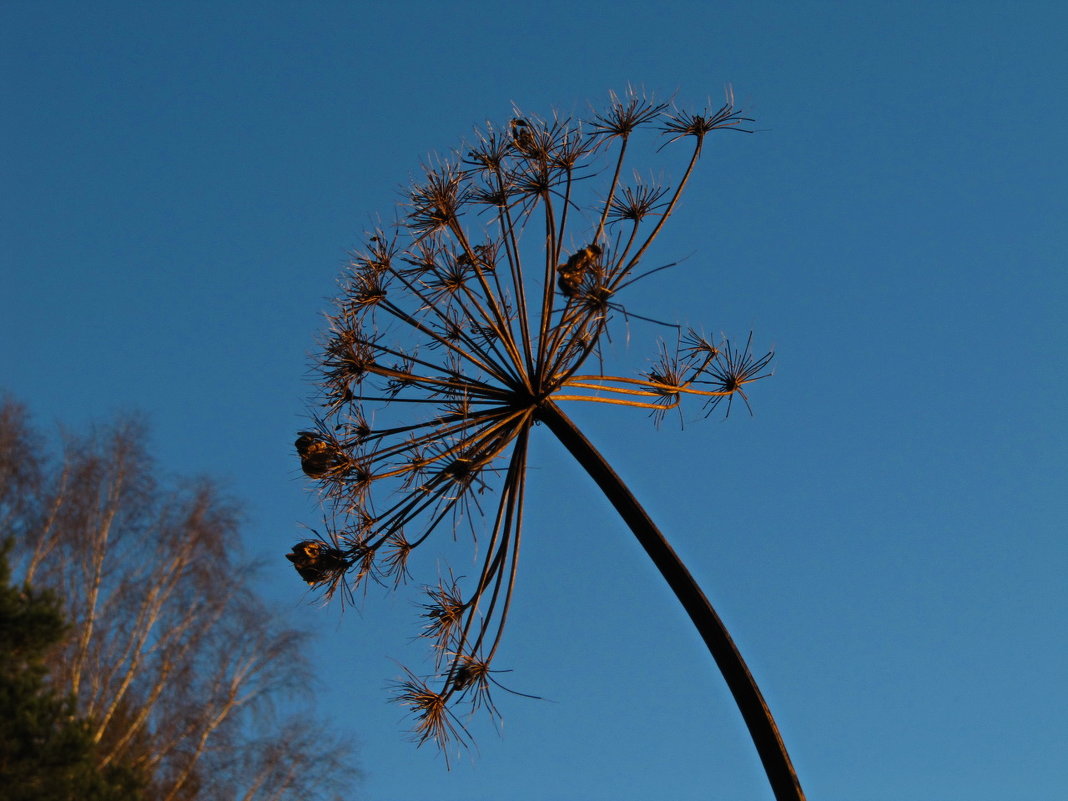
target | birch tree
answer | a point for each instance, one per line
(173, 659)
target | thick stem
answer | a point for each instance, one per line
(747, 696)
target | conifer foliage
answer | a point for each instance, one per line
(47, 752)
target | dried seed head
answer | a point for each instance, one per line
(726, 117)
(436, 203)
(699, 345)
(434, 721)
(635, 203)
(318, 456)
(732, 370)
(523, 138)
(398, 549)
(444, 613)
(451, 334)
(574, 272)
(627, 113)
(317, 562)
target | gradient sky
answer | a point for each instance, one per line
(885, 538)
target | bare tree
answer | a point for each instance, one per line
(478, 314)
(171, 656)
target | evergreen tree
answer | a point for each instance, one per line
(46, 752)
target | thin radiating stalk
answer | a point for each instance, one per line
(747, 695)
(453, 328)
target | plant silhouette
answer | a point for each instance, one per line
(474, 317)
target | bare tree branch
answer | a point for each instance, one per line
(172, 657)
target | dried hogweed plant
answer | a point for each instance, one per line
(475, 316)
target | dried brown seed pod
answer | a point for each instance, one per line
(315, 561)
(317, 456)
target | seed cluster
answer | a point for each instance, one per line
(452, 329)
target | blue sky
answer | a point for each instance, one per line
(885, 538)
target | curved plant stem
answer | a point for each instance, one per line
(747, 696)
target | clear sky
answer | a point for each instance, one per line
(885, 538)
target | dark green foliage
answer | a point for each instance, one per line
(45, 751)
